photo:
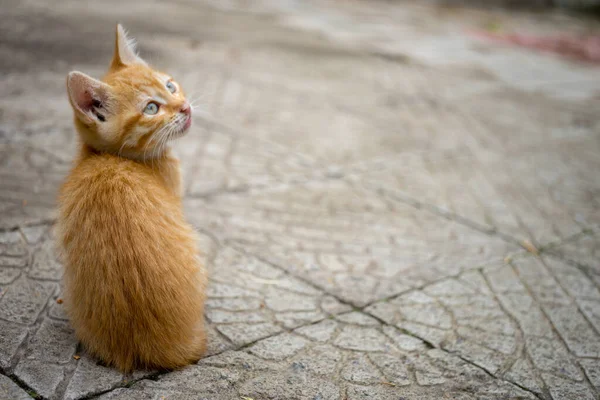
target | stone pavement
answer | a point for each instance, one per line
(389, 207)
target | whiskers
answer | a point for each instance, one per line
(120, 152)
(161, 138)
(199, 102)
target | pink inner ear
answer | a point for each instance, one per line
(84, 99)
(82, 91)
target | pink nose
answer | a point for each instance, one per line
(186, 109)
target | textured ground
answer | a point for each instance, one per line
(370, 182)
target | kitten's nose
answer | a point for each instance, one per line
(186, 109)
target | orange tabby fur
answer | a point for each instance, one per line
(134, 287)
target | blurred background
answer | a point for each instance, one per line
(291, 90)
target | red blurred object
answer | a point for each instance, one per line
(585, 48)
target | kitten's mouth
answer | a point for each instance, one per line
(184, 126)
(188, 123)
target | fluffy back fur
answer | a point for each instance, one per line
(134, 287)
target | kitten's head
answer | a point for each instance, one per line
(134, 111)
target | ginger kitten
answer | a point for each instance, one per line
(134, 287)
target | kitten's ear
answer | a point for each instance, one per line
(125, 53)
(89, 97)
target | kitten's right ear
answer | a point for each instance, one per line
(88, 97)
(125, 52)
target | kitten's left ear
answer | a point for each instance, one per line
(125, 53)
(90, 98)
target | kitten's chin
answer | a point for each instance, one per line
(184, 127)
(187, 124)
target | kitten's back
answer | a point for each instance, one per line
(133, 285)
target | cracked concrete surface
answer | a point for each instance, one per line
(366, 178)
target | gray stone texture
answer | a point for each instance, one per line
(389, 206)
(11, 337)
(348, 241)
(24, 300)
(288, 366)
(521, 321)
(10, 390)
(90, 378)
(250, 299)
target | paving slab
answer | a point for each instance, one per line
(10, 390)
(348, 241)
(328, 360)
(250, 299)
(532, 322)
(583, 250)
(542, 194)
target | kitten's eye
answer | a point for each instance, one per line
(171, 86)
(151, 108)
